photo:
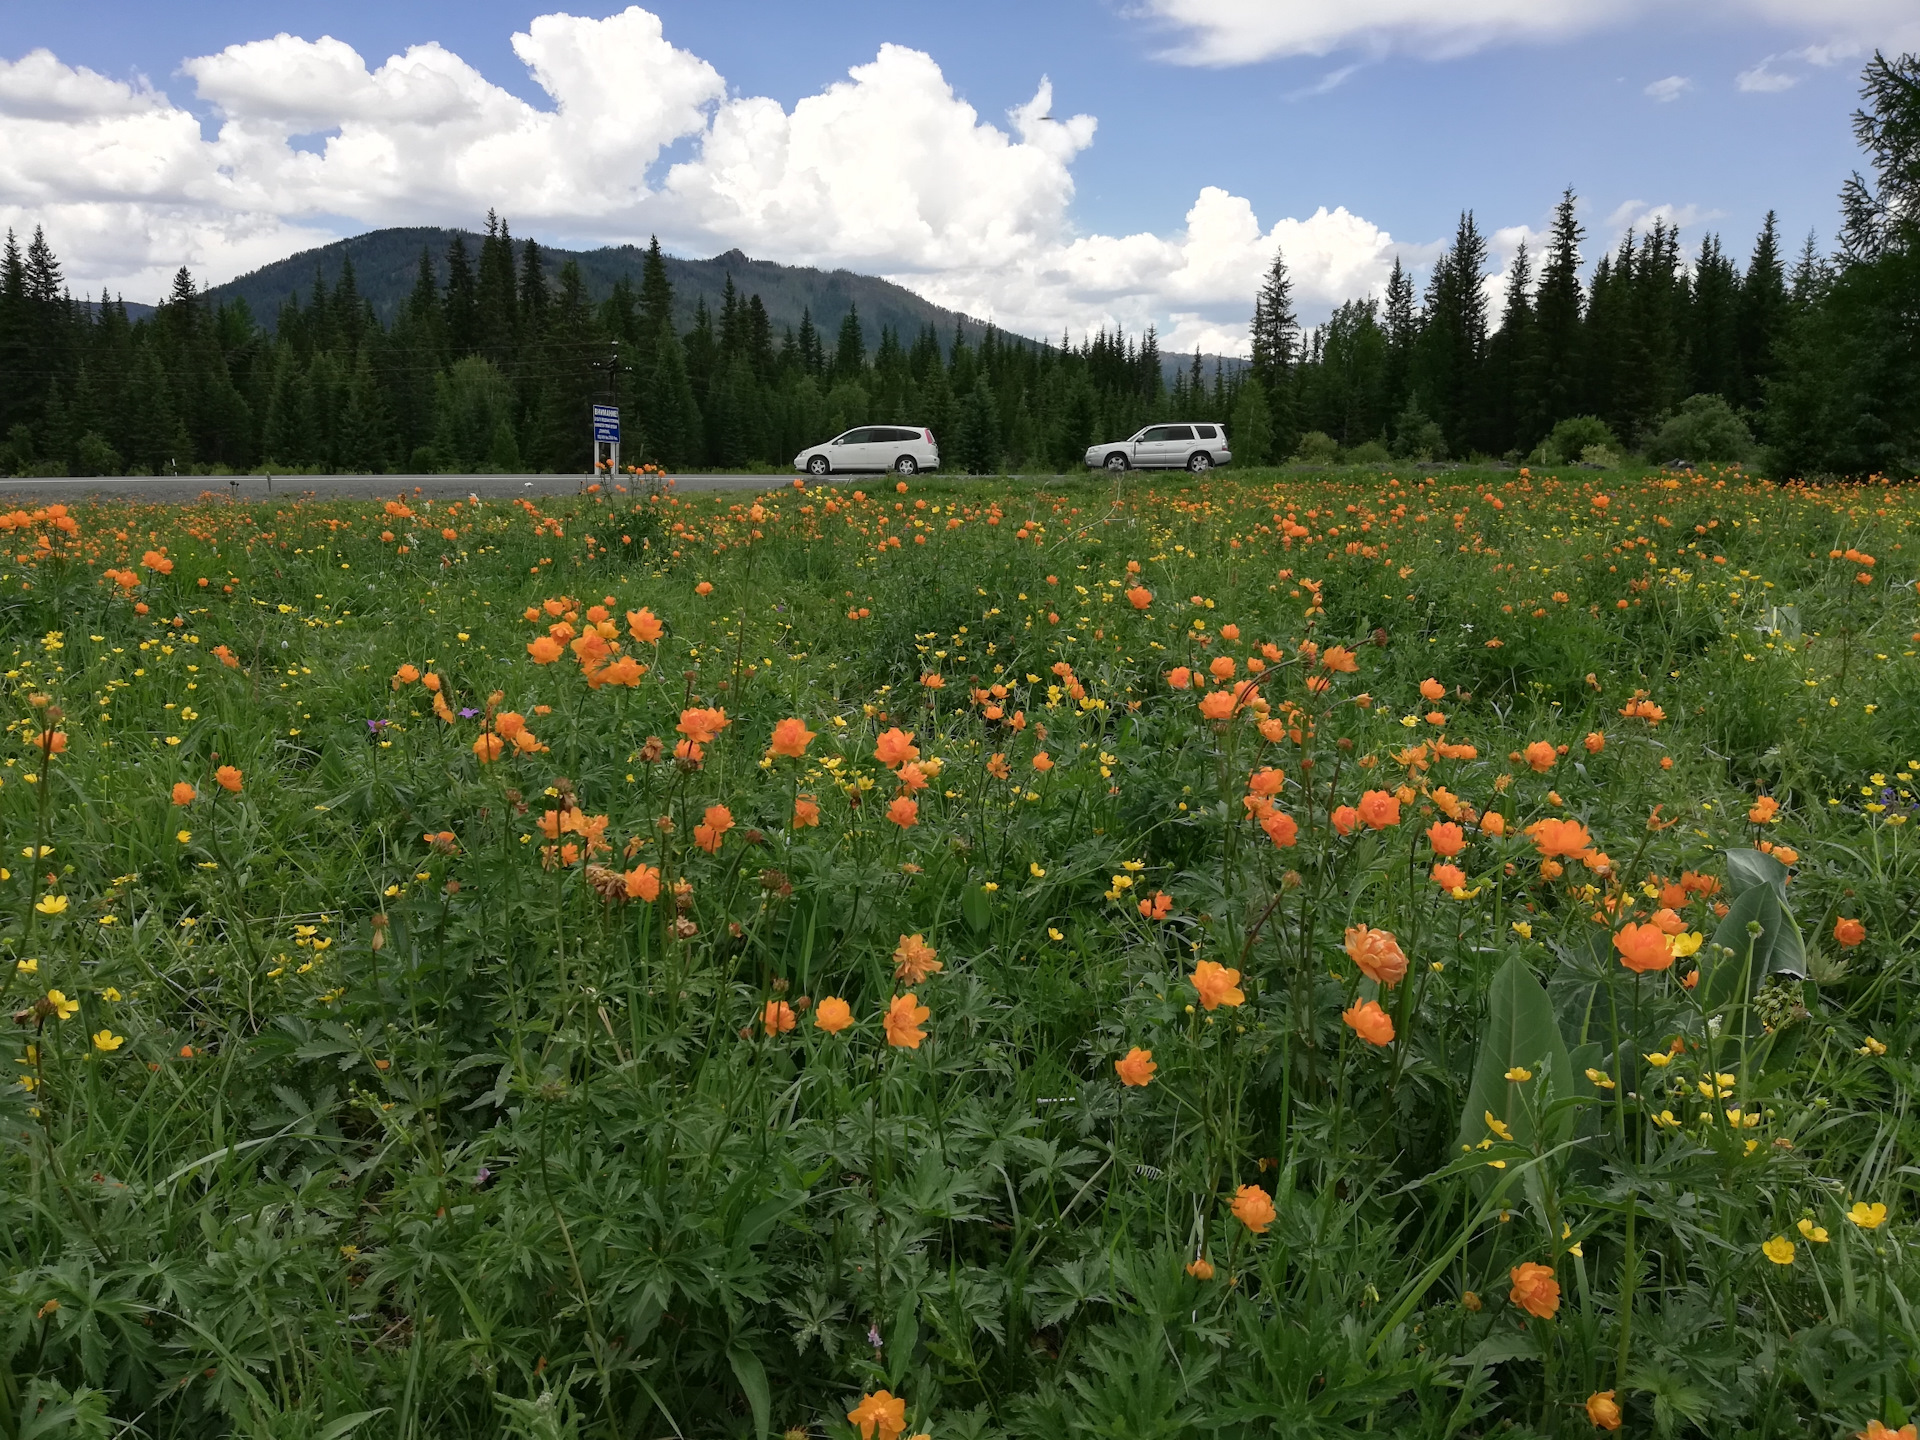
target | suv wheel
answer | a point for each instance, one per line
(817, 465)
(1198, 461)
(906, 465)
(1117, 462)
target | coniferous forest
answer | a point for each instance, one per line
(1805, 362)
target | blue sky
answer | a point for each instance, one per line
(1402, 122)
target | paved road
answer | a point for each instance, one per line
(186, 488)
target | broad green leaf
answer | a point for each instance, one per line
(1748, 868)
(1520, 1032)
(975, 908)
(752, 1376)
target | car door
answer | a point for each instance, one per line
(856, 450)
(1150, 444)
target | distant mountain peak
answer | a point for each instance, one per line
(735, 256)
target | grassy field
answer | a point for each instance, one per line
(1255, 955)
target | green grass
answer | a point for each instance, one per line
(389, 1135)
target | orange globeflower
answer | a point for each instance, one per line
(903, 1020)
(1763, 810)
(1377, 953)
(1446, 838)
(879, 1412)
(1266, 781)
(1217, 705)
(1344, 819)
(1431, 689)
(1367, 1020)
(833, 1015)
(645, 626)
(1643, 948)
(903, 812)
(228, 777)
(545, 650)
(705, 587)
(1603, 1410)
(913, 959)
(1876, 1431)
(1848, 932)
(1140, 597)
(1494, 823)
(778, 1017)
(183, 793)
(1253, 1208)
(1221, 667)
(1157, 907)
(1338, 657)
(643, 883)
(1540, 755)
(1449, 877)
(1379, 809)
(1043, 762)
(405, 675)
(895, 748)
(1668, 922)
(1180, 677)
(714, 824)
(1559, 837)
(1535, 1290)
(1217, 985)
(791, 738)
(1595, 743)
(806, 812)
(1136, 1069)
(1281, 828)
(488, 748)
(700, 725)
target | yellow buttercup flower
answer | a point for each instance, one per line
(1812, 1233)
(1519, 1073)
(63, 1007)
(1659, 1059)
(1497, 1127)
(1779, 1250)
(1685, 945)
(51, 905)
(1600, 1079)
(108, 1041)
(1868, 1217)
(1523, 929)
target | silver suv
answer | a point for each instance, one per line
(1165, 447)
(873, 447)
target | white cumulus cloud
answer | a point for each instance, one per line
(887, 171)
(1669, 89)
(1241, 32)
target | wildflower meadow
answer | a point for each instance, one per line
(1254, 954)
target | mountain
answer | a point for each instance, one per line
(385, 263)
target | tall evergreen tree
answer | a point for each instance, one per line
(1762, 309)
(1558, 314)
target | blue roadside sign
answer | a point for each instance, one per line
(606, 424)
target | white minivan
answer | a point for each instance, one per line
(1165, 447)
(873, 447)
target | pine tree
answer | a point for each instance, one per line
(498, 310)
(850, 351)
(1513, 362)
(1558, 316)
(1275, 339)
(1713, 325)
(1449, 355)
(1762, 311)
(462, 304)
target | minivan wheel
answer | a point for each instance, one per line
(1199, 461)
(818, 465)
(1116, 462)
(906, 465)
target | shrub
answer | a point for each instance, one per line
(1705, 429)
(1569, 439)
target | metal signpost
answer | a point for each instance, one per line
(606, 433)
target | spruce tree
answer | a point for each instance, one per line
(1762, 309)
(462, 304)
(1558, 316)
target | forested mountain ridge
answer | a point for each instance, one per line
(386, 264)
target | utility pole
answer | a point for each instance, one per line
(606, 418)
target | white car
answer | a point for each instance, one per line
(873, 447)
(1165, 447)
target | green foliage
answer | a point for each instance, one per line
(1703, 430)
(1571, 438)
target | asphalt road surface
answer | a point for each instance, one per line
(160, 489)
